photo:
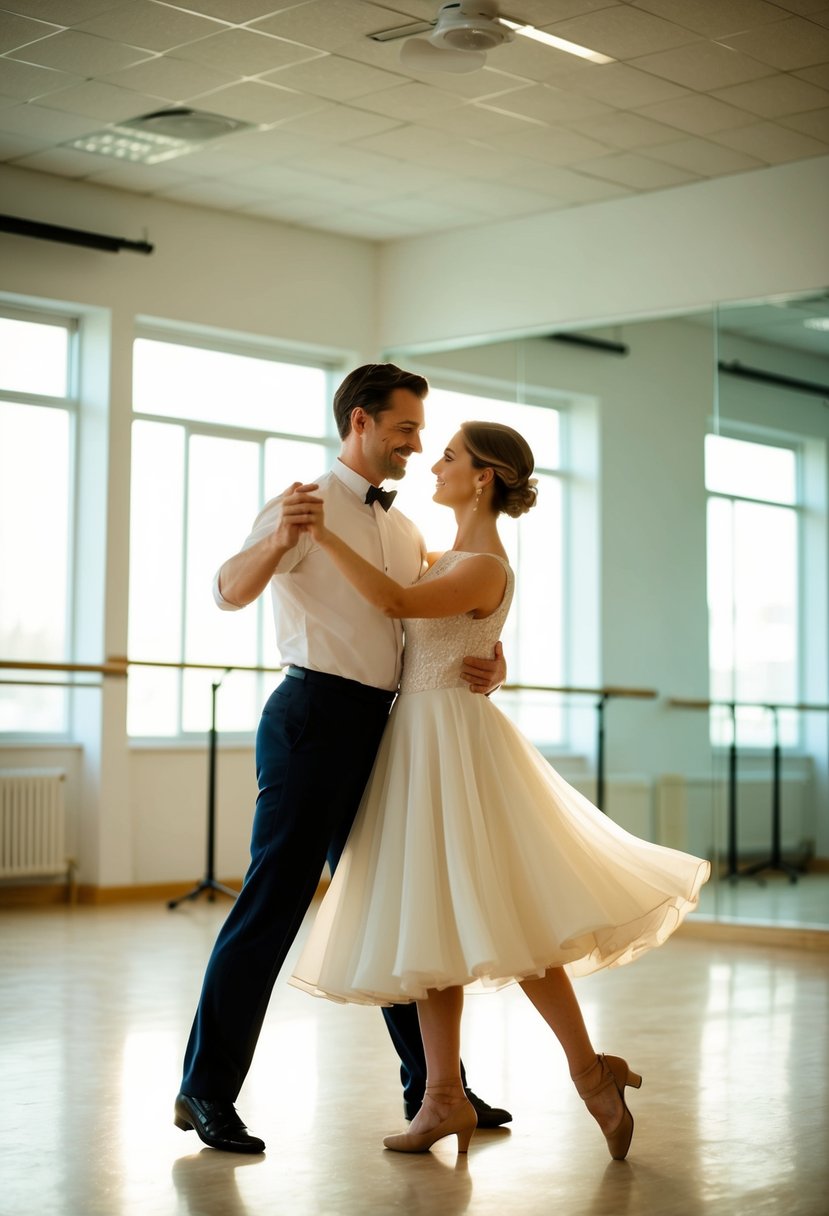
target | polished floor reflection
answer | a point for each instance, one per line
(732, 1119)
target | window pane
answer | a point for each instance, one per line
(287, 461)
(752, 597)
(156, 548)
(750, 470)
(533, 543)
(231, 390)
(34, 358)
(222, 501)
(34, 543)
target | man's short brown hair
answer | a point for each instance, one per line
(369, 388)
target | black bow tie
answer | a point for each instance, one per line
(384, 497)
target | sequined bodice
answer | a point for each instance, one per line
(435, 646)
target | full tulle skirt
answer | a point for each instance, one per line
(473, 862)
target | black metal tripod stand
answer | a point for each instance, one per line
(209, 883)
(775, 862)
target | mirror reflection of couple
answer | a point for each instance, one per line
(470, 860)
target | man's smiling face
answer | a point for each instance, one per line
(391, 438)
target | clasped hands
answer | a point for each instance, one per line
(301, 511)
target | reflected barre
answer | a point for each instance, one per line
(605, 693)
(775, 862)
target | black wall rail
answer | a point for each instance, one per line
(71, 236)
(755, 373)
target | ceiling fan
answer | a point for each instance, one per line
(463, 32)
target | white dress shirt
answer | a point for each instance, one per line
(321, 621)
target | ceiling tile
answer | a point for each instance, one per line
(629, 169)
(814, 123)
(286, 180)
(477, 122)
(14, 146)
(340, 124)
(364, 227)
(8, 101)
(212, 161)
(298, 209)
(349, 162)
(26, 81)
(171, 78)
(698, 114)
(804, 7)
(410, 101)
(553, 145)
(567, 186)
(526, 57)
(102, 101)
(235, 12)
(548, 104)
(713, 18)
(142, 179)
(704, 157)
(245, 53)
(622, 32)
(84, 54)
(793, 43)
(18, 31)
(622, 86)
(156, 26)
(624, 130)
(819, 75)
(489, 198)
(327, 25)
(335, 78)
(774, 96)
(485, 83)
(274, 144)
(772, 143)
(225, 196)
(423, 211)
(822, 17)
(65, 162)
(50, 126)
(259, 103)
(539, 12)
(62, 12)
(703, 66)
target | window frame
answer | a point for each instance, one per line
(71, 406)
(229, 344)
(753, 434)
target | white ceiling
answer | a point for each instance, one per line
(348, 141)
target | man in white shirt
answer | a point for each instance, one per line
(317, 739)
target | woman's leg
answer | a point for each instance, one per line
(440, 1027)
(554, 998)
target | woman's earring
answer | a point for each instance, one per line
(478, 494)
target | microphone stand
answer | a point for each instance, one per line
(209, 883)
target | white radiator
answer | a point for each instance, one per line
(32, 822)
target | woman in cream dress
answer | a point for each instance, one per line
(471, 861)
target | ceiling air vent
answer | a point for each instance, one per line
(163, 135)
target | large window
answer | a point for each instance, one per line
(37, 421)
(753, 540)
(532, 636)
(216, 433)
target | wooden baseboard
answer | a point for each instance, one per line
(41, 894)
(793, 937)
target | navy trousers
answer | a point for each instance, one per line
(315, 747)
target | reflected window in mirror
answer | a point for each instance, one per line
(753, 583)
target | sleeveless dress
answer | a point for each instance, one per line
(471, 861)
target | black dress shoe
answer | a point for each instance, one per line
(488, 1116)
(216, 1122)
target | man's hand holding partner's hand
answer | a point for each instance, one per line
(295, 513)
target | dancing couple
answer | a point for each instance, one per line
(459, 856)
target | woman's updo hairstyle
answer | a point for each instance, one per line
(494, 446)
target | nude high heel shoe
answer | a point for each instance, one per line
(612, 1071)
(461, 1121)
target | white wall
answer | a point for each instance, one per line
(673, 251)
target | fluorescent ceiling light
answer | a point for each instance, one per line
(821, 323)
(561, 44)
(153, 138)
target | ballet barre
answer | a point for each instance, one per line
(605, 693)
(775, 861)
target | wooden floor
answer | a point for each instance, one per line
(96, 1004)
